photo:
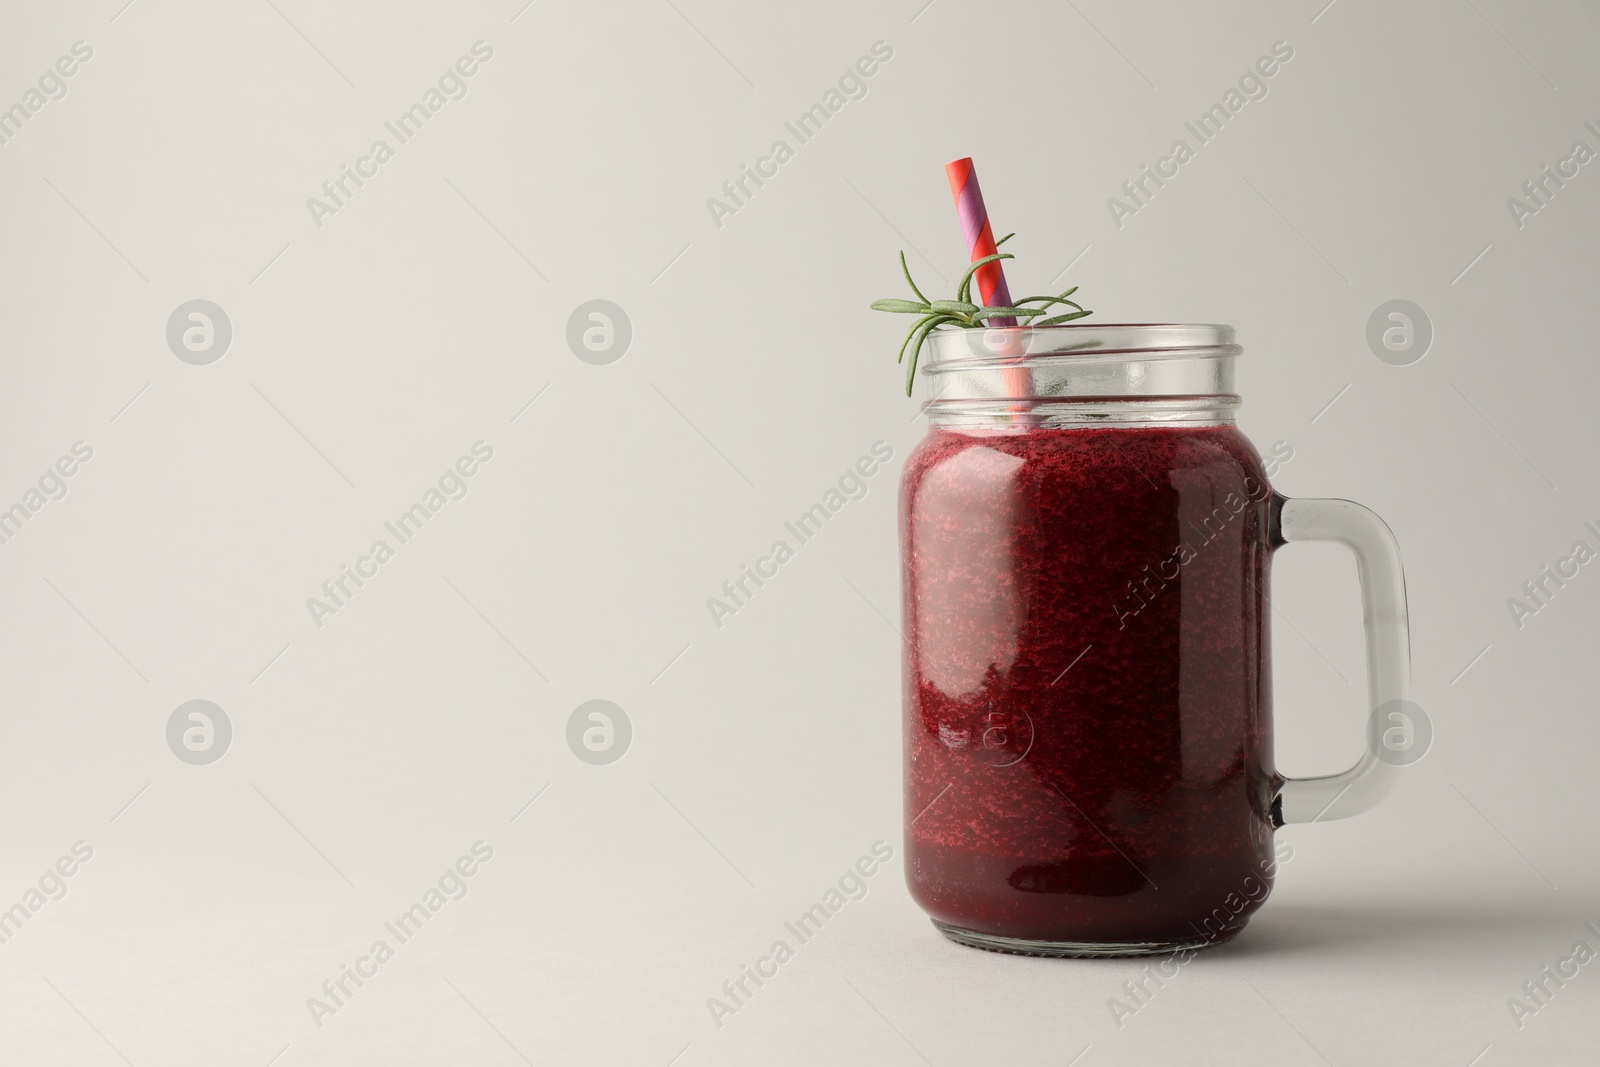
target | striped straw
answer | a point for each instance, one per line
(990, 279)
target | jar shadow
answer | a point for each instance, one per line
(1285, 928)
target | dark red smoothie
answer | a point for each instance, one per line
(1086, 703)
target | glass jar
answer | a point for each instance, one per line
(1085, 541)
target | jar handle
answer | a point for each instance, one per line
(1383, 608)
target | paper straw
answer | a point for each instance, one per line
(990, 279)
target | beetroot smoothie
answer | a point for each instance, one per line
(1087, 704)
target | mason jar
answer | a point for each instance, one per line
(1086, 543)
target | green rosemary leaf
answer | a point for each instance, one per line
(931, 322)
(915, 326)
(916, 352)
(1007, 312)
(900, 307)
(964, 290)
(954, 307)
(1062, 299)
(1046, 301)
(907, 272)
(1004, 239)
(1055, 319)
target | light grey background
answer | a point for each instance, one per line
(368, 354)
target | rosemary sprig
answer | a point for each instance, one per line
(962, 313)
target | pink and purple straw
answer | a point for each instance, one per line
(990, 278)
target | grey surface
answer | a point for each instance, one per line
(367, 357)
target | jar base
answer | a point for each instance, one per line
(1023, 946)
